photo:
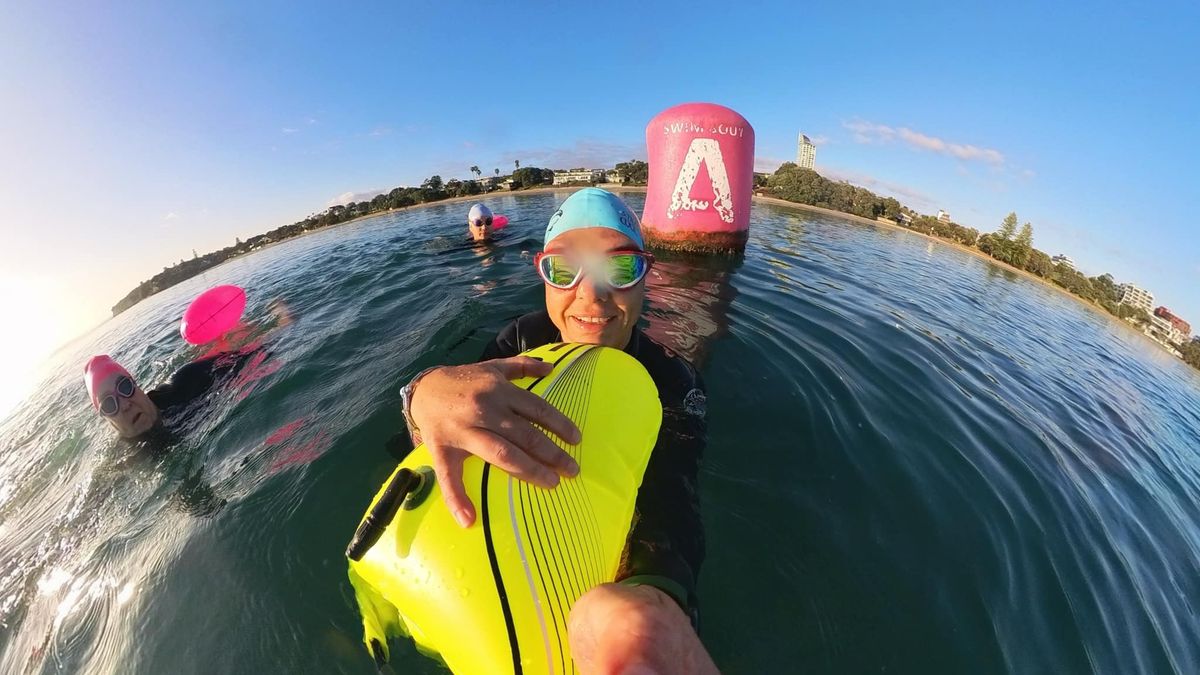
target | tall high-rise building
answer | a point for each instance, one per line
(806, 152)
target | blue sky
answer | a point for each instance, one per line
(132, 135)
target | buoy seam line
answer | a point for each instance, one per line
(211, 315)
(573, 399)
(549, 564)
(514, 645)
(491, 550)
(537, 600)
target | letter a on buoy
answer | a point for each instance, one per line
(708, 152)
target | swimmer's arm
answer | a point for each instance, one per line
(252, 337)
(505, 344)
(281, 317)
(186, 384)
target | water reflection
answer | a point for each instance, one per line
(689, 298)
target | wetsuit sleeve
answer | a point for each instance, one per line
(522, 334)
(505, 344)
(196, 378)
(185, 385)
(667, 538)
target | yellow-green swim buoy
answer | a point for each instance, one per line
(495, 597)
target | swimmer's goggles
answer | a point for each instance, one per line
(619, 269)
(109, 405)
(480, 222)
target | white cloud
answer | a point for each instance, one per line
(585, 152)
(768, 164)
(869, 132)
(379, 132)
(288, 130)
(347, 197)
(171, 216)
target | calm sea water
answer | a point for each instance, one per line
(917, 462)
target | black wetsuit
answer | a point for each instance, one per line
(185, 386)
(175, 397)
(666, 543)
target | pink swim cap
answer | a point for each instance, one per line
(97, 370)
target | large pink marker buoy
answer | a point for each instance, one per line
(213, 313)
(701, 158)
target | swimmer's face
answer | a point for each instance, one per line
(592, 312)
(480, 229)
(135, 415)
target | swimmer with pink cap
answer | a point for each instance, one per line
(118, 399)
(135, 413)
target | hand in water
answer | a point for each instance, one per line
(476, 410)
(281, 312)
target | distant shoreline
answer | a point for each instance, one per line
(126, 302)
(611, 187)
(1097, 309)
(774, 201)
(448, 200)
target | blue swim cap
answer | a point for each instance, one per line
(593, 207)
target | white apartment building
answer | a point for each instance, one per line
(943, 216)
(578, 176)
(806, 153)
(1136, 297)
(1061, 259)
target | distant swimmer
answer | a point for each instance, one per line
(479, 222)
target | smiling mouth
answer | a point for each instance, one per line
(136, 418)
(592, 322)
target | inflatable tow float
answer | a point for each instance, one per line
(495, 597)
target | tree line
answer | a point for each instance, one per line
(1009, 244)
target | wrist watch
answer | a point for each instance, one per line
(406, 394)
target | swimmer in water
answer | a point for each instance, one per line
(593, 270)
(479, 223)
(139, 415)
(150, 416)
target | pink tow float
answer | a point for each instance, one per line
(212, 314)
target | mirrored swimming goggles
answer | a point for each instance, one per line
(109, 405)
(618, 269)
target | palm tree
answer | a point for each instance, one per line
(497, 172)
(517, 163)
(475, 170)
